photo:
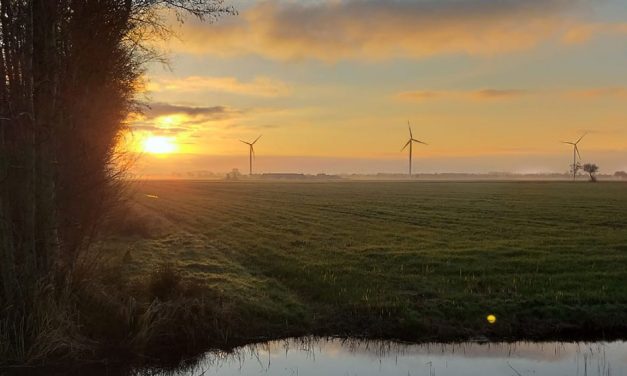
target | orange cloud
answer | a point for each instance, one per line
(172, 119)
(578, 34)
(377, 29)
(419, 95)
(260, 86)
(497, 94)
(502, 94)
(605, 92)
(484, 94)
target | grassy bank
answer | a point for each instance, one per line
(413, 261)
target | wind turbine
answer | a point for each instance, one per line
(410, 143)
(251, 153)
(575, 154)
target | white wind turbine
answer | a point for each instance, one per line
(251, 153)
(576, 154)
(410, 143)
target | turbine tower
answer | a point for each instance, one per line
(410, 143)
(576, 154)
(251, 154)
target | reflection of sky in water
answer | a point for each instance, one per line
(337, 357)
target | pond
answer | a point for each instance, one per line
(341, 357)
(301, 357)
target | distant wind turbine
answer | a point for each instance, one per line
(251, 153)
(575, 155)
(410, 143)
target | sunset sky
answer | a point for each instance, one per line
(490, 85)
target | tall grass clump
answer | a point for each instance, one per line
(152, 315)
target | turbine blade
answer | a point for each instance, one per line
(252, 150)
(580, 138)
(245, 142)
(577, 150)
(256, 139)
(418, 141)
(566, 142)
(407, 144)
(409, 126)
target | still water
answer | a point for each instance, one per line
(302, 357)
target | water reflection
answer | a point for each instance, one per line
(301, 357)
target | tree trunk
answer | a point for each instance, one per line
(45, 76)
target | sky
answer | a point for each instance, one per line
(489, 85)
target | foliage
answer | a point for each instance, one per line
(591, 169)
(69, 71)
(235, 174)
(621, 174)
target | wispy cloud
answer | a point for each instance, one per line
(173, 119)
(159, 130)
(510, 94)
(497, 94)
(259, 86)
(252, 126)
(479, 95)
(584, 32)
(598, 93)
(169, 119)
(377, 29)
(159, 109)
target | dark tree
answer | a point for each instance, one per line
(621, 174)
(591, 169)
(69, 70)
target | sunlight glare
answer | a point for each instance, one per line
(159, 145)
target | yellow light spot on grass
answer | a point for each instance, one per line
(152, 196)
(491, 319)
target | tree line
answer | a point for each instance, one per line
(69, 73)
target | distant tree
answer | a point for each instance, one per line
(591, 169)
(621, 174)
(234, 174)
(574, 169)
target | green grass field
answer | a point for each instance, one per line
(406, 260)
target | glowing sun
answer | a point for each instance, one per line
(159, 145)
